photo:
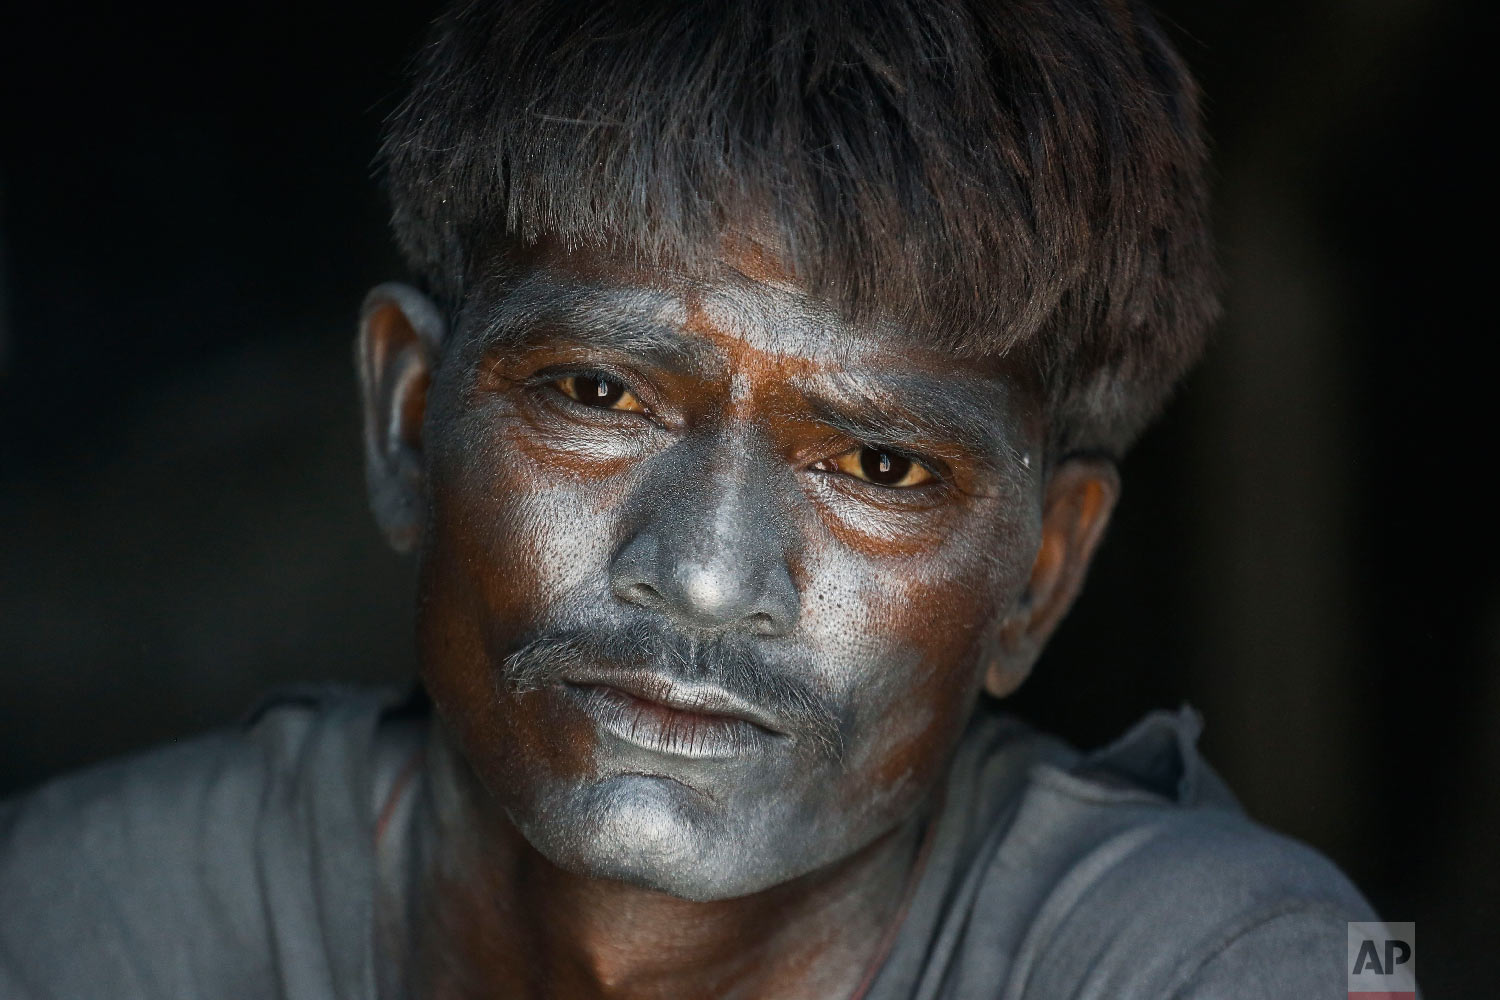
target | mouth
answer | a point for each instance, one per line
(681, 718)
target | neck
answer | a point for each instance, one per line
(504, 921)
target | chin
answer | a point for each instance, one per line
(650, 832)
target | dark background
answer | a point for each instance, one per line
(1306, 542)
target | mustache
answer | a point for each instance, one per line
(728, 661)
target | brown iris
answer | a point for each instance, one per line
(881, 467)
(599, 392)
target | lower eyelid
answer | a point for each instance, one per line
(565, 407)
(928, 494)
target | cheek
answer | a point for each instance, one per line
(510, 543)
(519, 524)
(917, 629)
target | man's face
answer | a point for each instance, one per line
(709, 573)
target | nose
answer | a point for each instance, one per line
(711, 556)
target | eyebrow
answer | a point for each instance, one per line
(892, 407)
(637, 322)
(897, 408)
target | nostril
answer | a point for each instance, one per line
(640, 593)
(761, 623)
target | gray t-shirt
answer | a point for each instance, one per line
(244, 864)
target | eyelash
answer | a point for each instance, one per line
(939, 483)
(546, 381)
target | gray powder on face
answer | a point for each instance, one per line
(693, 543)
(246, 864)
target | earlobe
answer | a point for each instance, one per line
(1081, 494)
(400, 333)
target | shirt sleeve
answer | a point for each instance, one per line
(238, 864)
(1199, 904)
(1299, 953)
(133, 879)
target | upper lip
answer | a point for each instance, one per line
(684, 695)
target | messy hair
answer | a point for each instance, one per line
(996, 176)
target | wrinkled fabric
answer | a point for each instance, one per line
(244, 864)
(1126, 873)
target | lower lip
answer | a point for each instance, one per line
(664, 730)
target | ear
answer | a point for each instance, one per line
(400, 334)
(1081, 493)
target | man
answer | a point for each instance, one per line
(754, 426)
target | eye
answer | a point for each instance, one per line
(599, 392)
(879, 466)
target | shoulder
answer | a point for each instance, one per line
(155, 875)
(1154, 896)
(1137, 876)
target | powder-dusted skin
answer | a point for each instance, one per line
(246, 864)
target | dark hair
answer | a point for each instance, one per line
(996, 175)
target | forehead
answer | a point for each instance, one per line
(748, 307)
